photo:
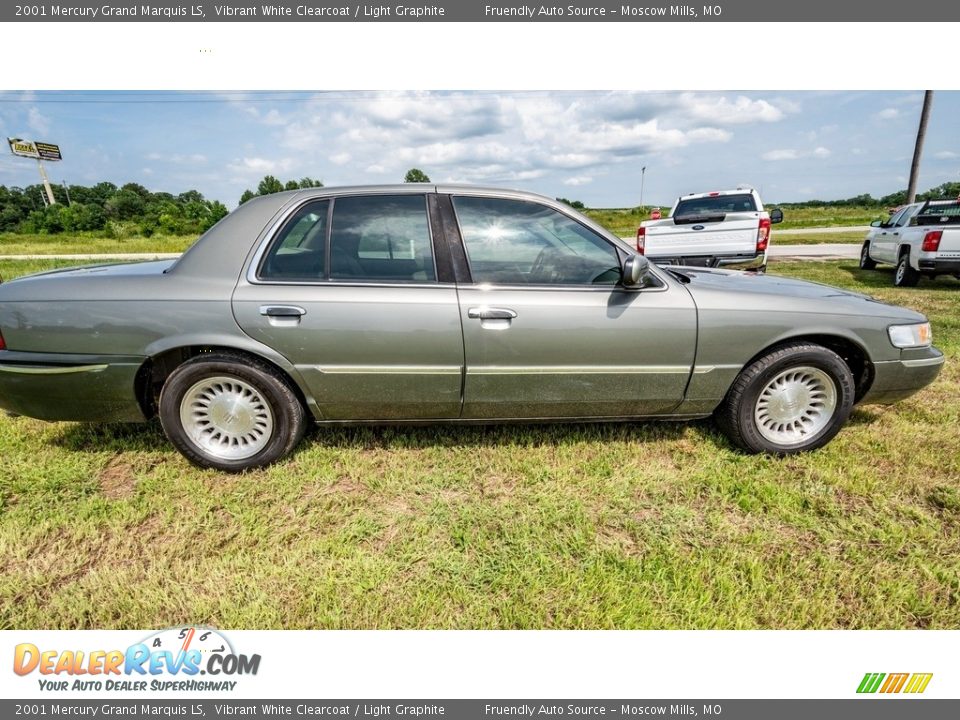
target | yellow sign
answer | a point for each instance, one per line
(24, 148)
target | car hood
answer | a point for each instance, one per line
(781, 293)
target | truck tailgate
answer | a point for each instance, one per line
(736, 234)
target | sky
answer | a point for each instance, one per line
(582, 145)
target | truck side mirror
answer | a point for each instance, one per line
(776, 216)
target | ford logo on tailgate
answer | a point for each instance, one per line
(697, 227)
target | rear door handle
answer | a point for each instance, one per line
(282, 311)
(491, 313)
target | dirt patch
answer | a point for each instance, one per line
(117, 480)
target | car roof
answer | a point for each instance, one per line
(414, 188)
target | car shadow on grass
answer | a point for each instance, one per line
(882, 277)
(128, 437)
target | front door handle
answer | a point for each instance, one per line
(284, 311)
(491, 313)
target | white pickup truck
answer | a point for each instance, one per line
(725, 228)
(919, 239)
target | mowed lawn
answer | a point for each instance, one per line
(652, 525)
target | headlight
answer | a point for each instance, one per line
(909, 336)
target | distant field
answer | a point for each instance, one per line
(643, 525)
(624, 221)
(16, 244)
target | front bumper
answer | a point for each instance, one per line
(897, 379)
(87, 388)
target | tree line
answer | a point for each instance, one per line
(105, 208)
(946, 190)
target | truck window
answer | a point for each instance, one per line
(716, 204)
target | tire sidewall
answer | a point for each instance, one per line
(287, 420)
(819, 358)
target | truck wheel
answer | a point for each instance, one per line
(230, 413)
(791, 400)
(904, 275)
(866, 262)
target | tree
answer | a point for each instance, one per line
(269, 185)
(247, 195)
(416, 175)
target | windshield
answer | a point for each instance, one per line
(716, 204)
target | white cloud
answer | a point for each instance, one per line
(341, 158)
(888, 114)
(946, 155)
(251, 166)
(724, 111)
(578, 180)
(37, 121)
(785, 154)
(793, 154)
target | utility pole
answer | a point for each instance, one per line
(643, 174)
(918, 147)
(67, 191)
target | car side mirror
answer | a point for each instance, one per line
(776, 216)
(636, 269)
(877, 223)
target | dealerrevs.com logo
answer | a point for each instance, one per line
(173, 659)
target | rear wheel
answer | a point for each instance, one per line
(866, 262)
(904, 275)
(230, 413)
(794, 399)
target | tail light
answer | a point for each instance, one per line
(3, 343)
(931, 241)
(641, 239)
(763, 234)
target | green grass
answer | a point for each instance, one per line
(557, 526)
(17, 244)
(625, 221)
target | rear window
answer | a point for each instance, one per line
(716, 204)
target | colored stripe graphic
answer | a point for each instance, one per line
(894, 683)
(918, 683)
(870, 682)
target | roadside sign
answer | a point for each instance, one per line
(23, 148)
(36, 150)
(48, 151)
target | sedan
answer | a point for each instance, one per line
(441, 304)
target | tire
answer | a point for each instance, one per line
(814, 382)
(866, 262)
(904, 275)
(230, 412)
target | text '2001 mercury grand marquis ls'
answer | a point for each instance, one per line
(425, 303)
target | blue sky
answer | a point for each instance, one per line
(587, 145)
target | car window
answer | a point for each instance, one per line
(381, 237)
(516, 242)
(299, 250)
(715, 204)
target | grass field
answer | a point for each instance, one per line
(624, 222)
(558, 526)
(17, 244)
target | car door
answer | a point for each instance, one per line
(888, 236)
(348, 290)
(549, 333)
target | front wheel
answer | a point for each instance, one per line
(866, 262)
(230, 413)
(904, 275)
(793, 399)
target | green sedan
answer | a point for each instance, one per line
(441, 304)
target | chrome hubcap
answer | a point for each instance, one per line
(901, 269)
(226, 418)
(796, 405)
